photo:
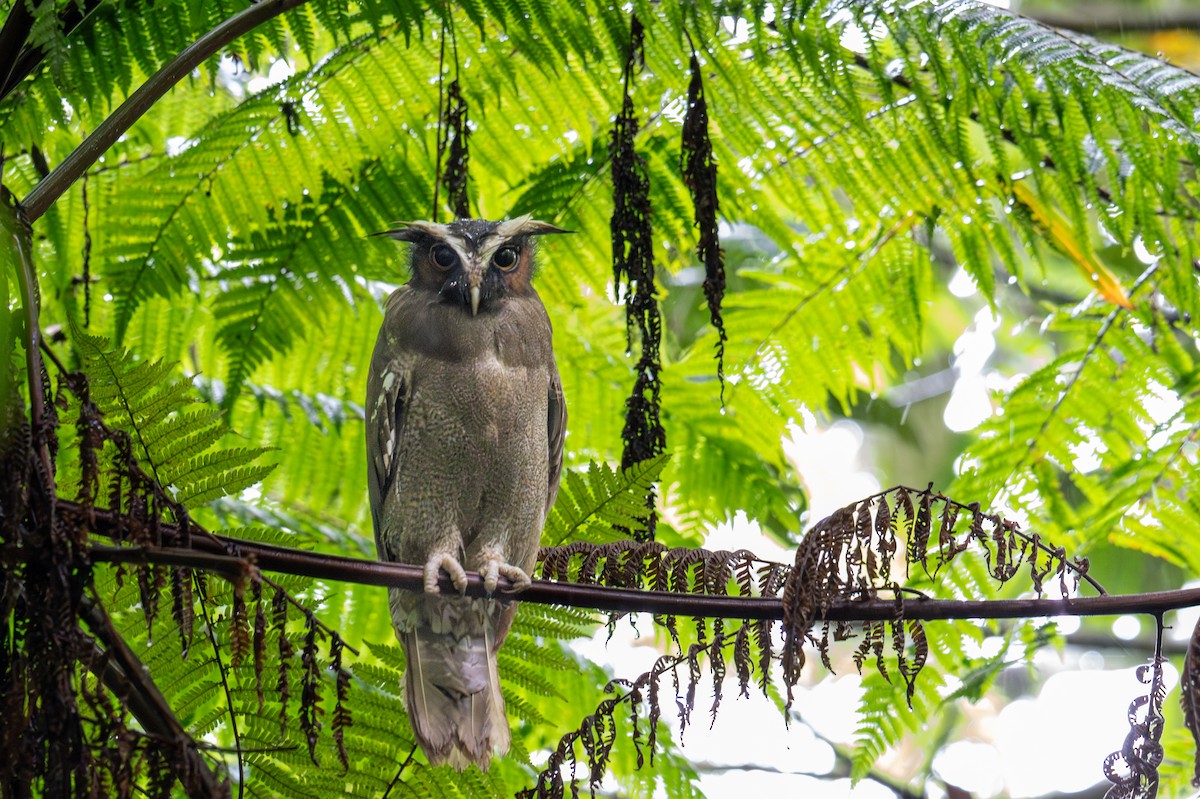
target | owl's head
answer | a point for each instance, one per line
(473, 262)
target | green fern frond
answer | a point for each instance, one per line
(885, 715)
(171, 434)
(592, 503)
(554, 622)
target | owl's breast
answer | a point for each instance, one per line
(475, 440)
(492, 412)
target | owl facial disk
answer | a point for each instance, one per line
(491, 251)
(473, 262)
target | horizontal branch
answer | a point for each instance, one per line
(230, 556)
(626, 600)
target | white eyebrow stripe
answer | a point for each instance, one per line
(488, 247)
(461, 248)
(481, 255)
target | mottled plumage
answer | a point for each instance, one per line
(465, 425)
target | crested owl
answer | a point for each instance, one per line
(465, 426)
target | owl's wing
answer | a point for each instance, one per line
(389, 388)
(556, 428)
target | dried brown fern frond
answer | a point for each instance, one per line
(597, 733)
(142, 512)
(698, 166)
(855, 553)
(1189, 696)
(651, 566)
(634, 276)
(1133, 770)
(63, 660)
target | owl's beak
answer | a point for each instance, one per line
(474, 285)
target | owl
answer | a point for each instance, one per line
(465, 426)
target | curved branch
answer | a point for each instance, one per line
(116, 124)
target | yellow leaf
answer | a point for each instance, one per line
(1063, 239)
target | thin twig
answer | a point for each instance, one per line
(17, 226)
(221, 669)
(400, 771)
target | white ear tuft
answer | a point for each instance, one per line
(526, 226)
(411, 231)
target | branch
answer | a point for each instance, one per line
(116, 124)
(13, 35)
(22, 59)
(229, 556)
(15, 227)
(626, 600)
(1117, 19)
(126, 677)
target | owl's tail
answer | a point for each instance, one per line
(452, 688)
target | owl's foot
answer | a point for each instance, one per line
(494, 566)
(434, 566)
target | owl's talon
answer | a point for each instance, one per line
(433, 568)
(520, 579)
(493, 567)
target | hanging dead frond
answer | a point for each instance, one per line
(53, 674)
(259, 644)
(910, 664)
(633, 275)
(341, 711)
(918, 542)
(310, 694)
(40, 639)
(451, 166)
(455, 131)
(279, 607)
(597, 733)
(183, 607)
(239, 626)
(1189, 696)
(143, 513)
(1133, 770)
(699, 170)
(652, 566)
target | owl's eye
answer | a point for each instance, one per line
(443, 256)
(505, 258)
